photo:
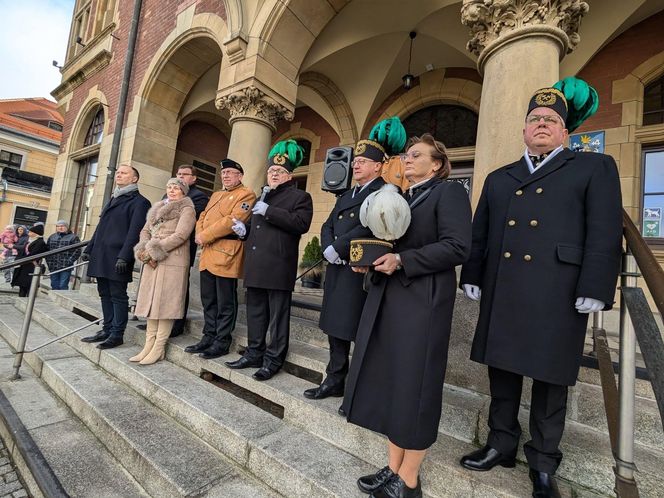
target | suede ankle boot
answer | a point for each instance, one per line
(159, 348)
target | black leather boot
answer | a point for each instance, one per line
(98, 337)
(214, 351)
(486, 459)
(544, 485)
(200, 346)
(325, 390)
(113, 341)
(369, 484)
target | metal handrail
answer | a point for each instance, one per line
(82, 263)
(56, 339)
(35, 257)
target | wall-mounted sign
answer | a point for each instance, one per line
(587, 142)
(652, 221)
(29, 216)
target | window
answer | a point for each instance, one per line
(85, 184)
(453, 125)
(653, 193)
(55, 126)
(96, 129)
(10, 159)
(206, 176)
(653, 103)
(306, 145)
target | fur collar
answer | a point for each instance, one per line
(163, 211)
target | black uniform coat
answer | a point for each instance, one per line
(21, 276)
(395, 385)
(117, 233)
(539, 242)
(344, 295)
(271, 247)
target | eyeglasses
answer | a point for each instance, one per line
(277, 171)
(412, 155)
(361, 161)
(548, 119)
(229, 172)
(180, 173)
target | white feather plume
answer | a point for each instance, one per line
(386, 213)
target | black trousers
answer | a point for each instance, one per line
(337, 368)
(180, 322)
(268, 309)
(548, 407)
(219, 298)
(114, 305)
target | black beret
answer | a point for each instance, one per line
(229, 163)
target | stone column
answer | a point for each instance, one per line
(519, 44)
(254, 116)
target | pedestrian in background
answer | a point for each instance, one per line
(62, 237)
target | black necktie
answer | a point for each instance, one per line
(537, 160)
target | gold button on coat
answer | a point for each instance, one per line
(533, 223)
(527, 257)
(511, 223)
(341, 216)
(519, 192)
(539, 190)
(508, 255)
(352, 215)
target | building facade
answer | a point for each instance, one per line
(213, 79)
(30, 133)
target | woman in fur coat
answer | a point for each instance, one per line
(164, 250)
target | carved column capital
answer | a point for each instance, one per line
(493, 23)
(250, 103)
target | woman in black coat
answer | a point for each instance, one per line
(395, 386)
(22, 275)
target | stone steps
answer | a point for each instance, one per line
(464, 418)
(161, 454)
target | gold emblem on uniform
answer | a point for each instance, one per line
(360, 149)
(545, 99)
(356, 252)
(279, 159)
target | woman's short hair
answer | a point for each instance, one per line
(438, 153)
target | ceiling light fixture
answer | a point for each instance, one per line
(408, 77)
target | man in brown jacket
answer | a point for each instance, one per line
(221, 260)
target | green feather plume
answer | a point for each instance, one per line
(288, 148)
(582, 101)
(391, 134)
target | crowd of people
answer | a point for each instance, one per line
(541, 253)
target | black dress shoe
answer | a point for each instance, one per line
(325, 391)
(396, 488)
(369, 484)
(98, 337)
(264, 374)
(111, 342)
(214, 351)
(486, 459)
(244, 363)
(200, 346)
(544, 485)
(341, 411)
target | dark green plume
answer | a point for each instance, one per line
(582, 101)
(290, 149)
(391, 134)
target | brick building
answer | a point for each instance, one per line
(212, 79)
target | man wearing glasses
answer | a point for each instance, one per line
(221, 260)
(546, 253)
(272, 236)
(344, 296)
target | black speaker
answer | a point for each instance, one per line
(337, 172)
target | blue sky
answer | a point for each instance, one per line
(33, 34)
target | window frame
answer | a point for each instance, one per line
(13, 150)
(652, 241)
(660, 110)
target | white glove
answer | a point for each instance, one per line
(260, 208)
(588, 305)
(332, 256)
(239, 228)
(472, 291)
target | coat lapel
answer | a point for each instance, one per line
(555, 164)
(347, 201)
(519, 170)
(422, 196)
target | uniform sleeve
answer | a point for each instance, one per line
(222, 227)
(472, 271)
(342, 244)
(603, 243)
(327, 230)
(297, 220)
(453, 228)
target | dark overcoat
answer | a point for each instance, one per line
(540, 241)
(395, 384)
(117, 233)
(271, 247)
(22, 274)
(344, 294)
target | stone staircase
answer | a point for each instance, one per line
(163, 430)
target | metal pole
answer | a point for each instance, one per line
(27, 319)
(598, 324)
(625, 451)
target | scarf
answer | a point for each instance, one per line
(125, 190)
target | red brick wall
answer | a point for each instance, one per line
(203, 140)
(158, 19)
(312, 121)
(617, 60)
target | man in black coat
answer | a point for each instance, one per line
(344, 296)
(187, 173)
(272, 236)
(111, 254)
(546, 252)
